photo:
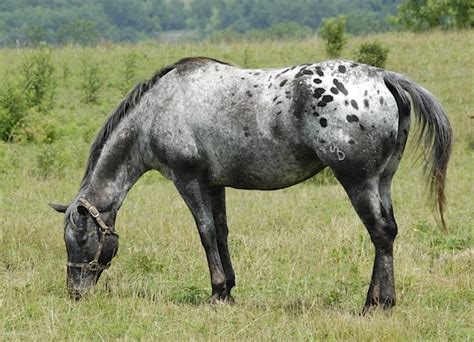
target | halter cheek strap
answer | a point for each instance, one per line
(104, 230)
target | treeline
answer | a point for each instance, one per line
(27, 22)
(87, 22)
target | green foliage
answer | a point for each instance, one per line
(91, 82)
(129, 73)
(333, 34)
(373, 53)
(86, 22)
(39, 84)
(423, 15)
(83, 32)
(13, 108)
(49, 161)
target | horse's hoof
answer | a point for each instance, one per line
(217, 299)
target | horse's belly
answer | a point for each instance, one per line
(262, 169)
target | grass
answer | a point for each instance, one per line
(302, 258)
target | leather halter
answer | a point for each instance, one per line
(104, 230)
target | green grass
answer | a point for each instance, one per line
(303, 259)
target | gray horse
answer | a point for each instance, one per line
(207, 125)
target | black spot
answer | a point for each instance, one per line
(366, 92)
(242, 78)
(341, 68)
(378, 91)
(323, 122)
(255, 85)
(346, 102)
(362, 127)
(353, 65)
(352, 118)
(319, 71)
(366, 103)
(322, 104)
(334, 90)
(381, 100)
(247, 134)
(249, 93)
(327, 98)
(340, 87)
(270, 85)
(279, 102)
(299, 74)
(256, 73)
(275, 98)
(318, 92)
(278, 113)
(315, 113)
(322, 141)
(308, 72)
(317, 81)
(351, 142)
(405, 132)
(354, 104)
(283, 83)
(232, 94)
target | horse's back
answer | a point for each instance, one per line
(274, 127)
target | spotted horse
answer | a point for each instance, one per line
(208, 125)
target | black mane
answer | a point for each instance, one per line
(126, 106)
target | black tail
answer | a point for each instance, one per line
(435, 133)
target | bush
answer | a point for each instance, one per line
(38, 79)
(91, 82)
(36, 128)
(13, 109)
(129, 72)
(373, 54)
(333, 34)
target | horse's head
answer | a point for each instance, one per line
(91, 243)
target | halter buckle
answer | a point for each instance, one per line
(94, 212)
(94, 266)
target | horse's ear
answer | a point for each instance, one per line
(60, 208)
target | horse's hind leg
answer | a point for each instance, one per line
(368, 203)
(196, 194)
(220, 221)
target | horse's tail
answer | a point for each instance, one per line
(434, 133)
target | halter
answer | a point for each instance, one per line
(104, 230)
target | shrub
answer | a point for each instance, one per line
(13, 109)
(91, 82)
(333, 34)
(50, 161)
(38, 79)
(373, 54)
(36, 128)
(129, 72)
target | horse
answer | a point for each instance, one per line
(207, 125)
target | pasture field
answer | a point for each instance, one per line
(302, 258)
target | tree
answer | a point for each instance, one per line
(420, 15)
(333, 34)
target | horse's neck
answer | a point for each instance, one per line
(118, 168)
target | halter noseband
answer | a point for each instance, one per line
(104, 230)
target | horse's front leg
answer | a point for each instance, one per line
(196, 194)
